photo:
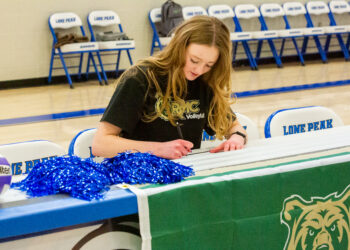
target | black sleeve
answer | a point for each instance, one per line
(209, 130)
(126, 105)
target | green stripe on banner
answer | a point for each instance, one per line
(239, 212)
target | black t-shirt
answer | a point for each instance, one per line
(129, 102)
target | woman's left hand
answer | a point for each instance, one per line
(233, 143)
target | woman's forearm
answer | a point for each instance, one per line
(110, 145)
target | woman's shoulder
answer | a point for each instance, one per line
(135, 75)
(148, 73)
(137, 72)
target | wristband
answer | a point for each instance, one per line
(238, 133)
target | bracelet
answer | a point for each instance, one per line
(238, 133)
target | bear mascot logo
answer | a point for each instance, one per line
(319, 224)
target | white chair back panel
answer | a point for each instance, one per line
(65, 20)
(246, 11)
(246, 122)
(24, 155)
(156, 15)
(271, 10)
(82, 143)
(103, 18)
(190, 11)
(294, 8)
(339, 7)
(249, 126)
(209, 144)
(301, 120)
(221, 11)
(317, 8)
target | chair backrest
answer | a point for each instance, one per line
(81, 144)
(246, 11)
(249, 126)
(317, 13)
(221, 11)
(300, 120)
(246, 122)
(271, 10)
(247, 17)
(24, 155)
(224, 13)
(294, 9)
(339, 7)
(273, 14)
(155, 18)
(190, 11)
(103, 18)
(340, 11)
(155, 15)
(64, 20)
(317, 8)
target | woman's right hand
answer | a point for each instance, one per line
(107, 143)
(174, 149)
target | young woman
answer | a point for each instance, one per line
(162, 104)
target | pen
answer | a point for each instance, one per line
(179, 130)
(180, 134)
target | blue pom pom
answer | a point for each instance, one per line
(88, 180)
(81, 178)
(140, 168)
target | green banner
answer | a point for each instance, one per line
(276, 207)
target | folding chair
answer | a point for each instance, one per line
(249, 14)
(339, 16)
(108, 21)
(190, 11)
(67, 22)
(293, 12)
(226, 14)
(300, 120)
(272, 18)
(316, 10)
(251, 128)
(24, 155)
(158, 42)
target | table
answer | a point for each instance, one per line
(53, 215)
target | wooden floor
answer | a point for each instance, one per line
(36, 101)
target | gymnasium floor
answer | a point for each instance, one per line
(30, 105)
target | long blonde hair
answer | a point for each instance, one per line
(170, 62)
